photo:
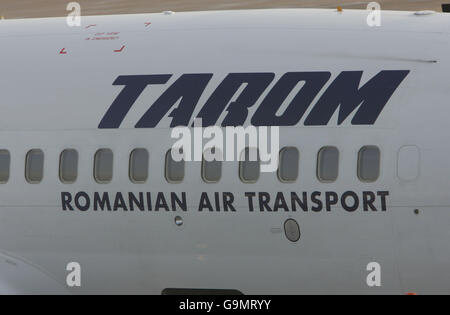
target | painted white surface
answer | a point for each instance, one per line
(53, 102)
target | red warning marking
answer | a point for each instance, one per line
(63, 52)
(147, 24)
(120, 50)
(91, 25)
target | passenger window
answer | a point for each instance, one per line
(34, 166)
(212, 170)
(328, 164)
(369, 163)
(250, 166)
(139, 165)
(68, 166)
(289, 165)
(174, 170)
(5, 161)
(103, 166)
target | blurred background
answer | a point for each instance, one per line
(10, 9)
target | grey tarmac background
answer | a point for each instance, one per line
(13, 9)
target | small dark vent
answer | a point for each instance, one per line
(200, 292)
(446, 7)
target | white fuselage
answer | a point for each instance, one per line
(57, 85)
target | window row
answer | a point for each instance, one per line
(368, 166)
